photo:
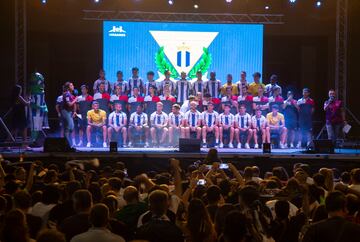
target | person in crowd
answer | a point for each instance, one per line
(226, 126)
(213, 86)
(50, 198)
(135, 82)
(167, 94)
(139, 125)
(96, 123)
(242, 83)
(83, 106)
(159, 227)
(159, 121)
(167, 82)
(118, 124)
(199, 84)
(122, 83)
(99, 218)
(279, 226)
(276, 123)
(118, 96)
(355, 179)
(103, 98)
(291, 108)
(336, 227)
(335, 116)
(235, 229)
(102, 79)
(210, 123)
(192, 121)
(182, 88)
(229, 83)
(269, 88)
(151, 82)
(261, 101)
(229, 98)
(260, 128)
(80, 222)
(19, 119)
(243, 127)
(254, 86)
(214, 200)
(67, 110)
(175, 120)
(51, 235)
(306, 109)
(14, 227)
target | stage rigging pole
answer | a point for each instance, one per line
(20, 43)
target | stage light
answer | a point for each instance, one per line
(228, 1)
(196, 6)
(318, 3)
(267, 7)
(171, 2)
(292, 1)
(43, 1)
(96, 1)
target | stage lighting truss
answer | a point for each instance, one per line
(138, 16)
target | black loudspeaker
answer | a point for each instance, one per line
(57, 145)
(324, 146)
(267, 148)
(189, 145)
(113, 147)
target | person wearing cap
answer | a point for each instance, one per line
(242, 82)
(213, 86)
(175, 123)
(226, 125)
(210, 123)
(83, 105)
(254, 86)
(167, 82)
(102, 79)
(269, 88)
(291, 113)
(182, 88)
(306, 110)
(199, 84)
(150, 83)
(243, 126)
(121, 82)
(276, 123)
(260, 128)
(159, 121)
(96, 121)
(229, 83)
(135, 81)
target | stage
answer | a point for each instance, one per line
(156, 159)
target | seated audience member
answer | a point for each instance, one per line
(150, 83)
(210, 123)
(226, 126)
(336, 227)
(276, 123)
(231, 85)
(243, 127)
(135, 82)
(118, 96)
(306, 109)
(159, 122)
(103, 98)
(83, 106)
(167, 82)
(159, 227)
(260, 128)
(102, 79)
(138, 125)
(182, 88)
(117, 124)
(122, 83)
(270, 88)
(192, 121)
(213, 86)
(254, 86)
(80, 222)
(291, 116)
(167, 94)
(99, 218)
(96, 122)
(175, 120)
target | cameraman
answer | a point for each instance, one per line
(335, 116)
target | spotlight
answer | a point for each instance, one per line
(196, 4)
(43, 1)
(292, 1)
(228, 1)
(96, 1)
(267, 7)
(318, 3)
(171, 2)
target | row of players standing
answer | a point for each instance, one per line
(136, 90)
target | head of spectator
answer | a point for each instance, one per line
(131, 195)
(345, 178)
(256, 171)
(192, 98)
(220, 216)
(14, 227)
(111, 202)
(248, 195)
(82, 201)
(22, 200)
(282, 209)
(319, 180)
(235, 227)
(355, 176)
(99, 215)
(50, 235)
(213, 195)
(329, 178)
(158, 202)
(276, 91)
(51, 195)
(248, 173)
(193, 106)
(95, 191)
(335, 204)
(352, 204)
(212, 156)
(280, 173)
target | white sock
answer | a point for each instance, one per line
(204, 140)
(217, 140)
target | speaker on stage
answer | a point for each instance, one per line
(189, 145)
(52, 144)
(324, 146)
(266, 148)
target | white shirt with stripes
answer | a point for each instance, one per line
(243, 120)
(209, 119)
(158, 118)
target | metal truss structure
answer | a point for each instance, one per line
(341, 48)
(20, 43)
(138, 16)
